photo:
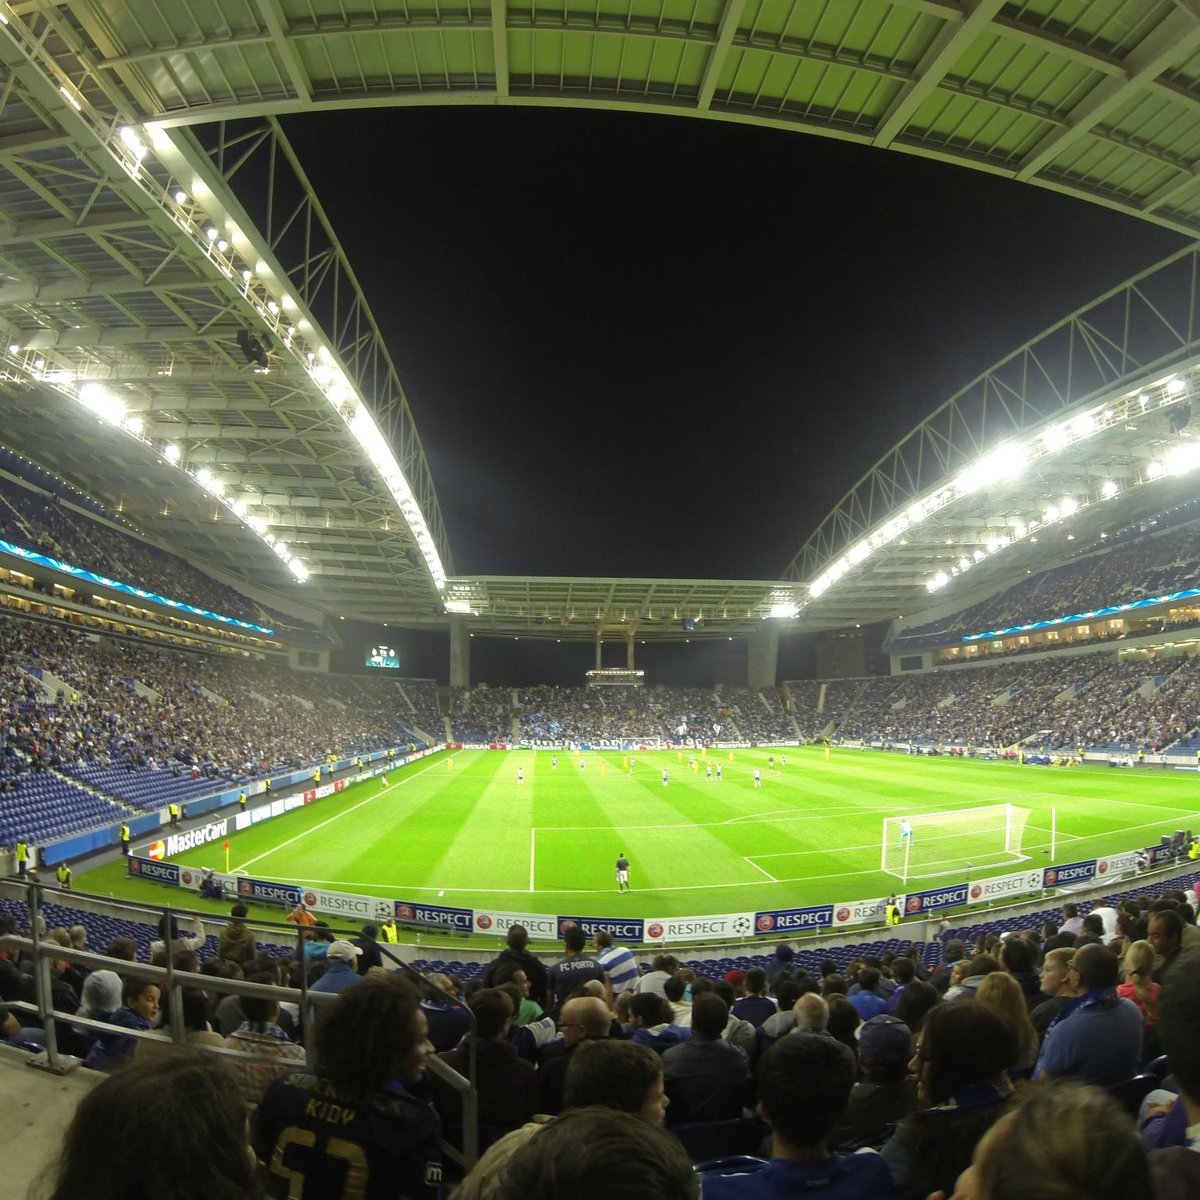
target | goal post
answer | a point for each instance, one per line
(921, 845)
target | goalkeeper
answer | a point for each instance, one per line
(905, 831)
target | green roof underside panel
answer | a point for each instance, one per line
(1096, 98)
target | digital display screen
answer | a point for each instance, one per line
(384, 656)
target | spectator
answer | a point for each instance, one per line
(1017, 958)
(663, 966)
(1002, 993)
(577, 968)
(962, 1060)
(620, 1075)
(1065, 1142)
(340, 968)
(972, 977)
(869, 999)
(260, 1035)
(1137, 966)
(1058, 986)
(914, 1006)
(1165, 934)
(576, 1157)
(782, 960)
(139, 1007)
(1097, 1037)
(887, 1092)
(583, 1019)
(518, 955)
(617, 961)
(193, 941)
(681, 1010)
(368, 945)
(236, 943)
(190, 1141)
(650, 1019)
(707, 1079)
(755, 1006)
(371, 1050)
(507, 1085)
(803, 1086)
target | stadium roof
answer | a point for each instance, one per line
(164, 264)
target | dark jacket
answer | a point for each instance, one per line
(534, 968)
(507, 1087)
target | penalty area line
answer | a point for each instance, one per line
(746, 858)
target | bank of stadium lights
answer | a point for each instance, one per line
(1004, 463)
(109, 408)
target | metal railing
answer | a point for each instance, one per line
(172, 981)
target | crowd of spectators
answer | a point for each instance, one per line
(66, 531)
(1093, 701)
(1142, 566)
(652, 713)
(144, 711)
(1063, 1057)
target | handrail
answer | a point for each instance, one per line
(173, 981)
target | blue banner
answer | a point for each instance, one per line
(1076, 872)
(435, 914)
(268, 892)
(943, 897)
(793, 920)
(622, 929)
(155, 872)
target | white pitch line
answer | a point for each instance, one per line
(337, 816)
(532, 853)
(758, 868)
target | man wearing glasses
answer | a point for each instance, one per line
(1097, 1037)
(583, 1018)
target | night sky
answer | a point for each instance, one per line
(654, 346)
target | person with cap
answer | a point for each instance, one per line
(886, 1094)
(341, 968)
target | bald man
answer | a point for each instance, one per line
(583, 1018)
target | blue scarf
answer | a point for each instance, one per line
(1097, 998)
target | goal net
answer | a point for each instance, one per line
(925, 844)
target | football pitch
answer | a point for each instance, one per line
(459, 829)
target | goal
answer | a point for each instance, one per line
(925, 844)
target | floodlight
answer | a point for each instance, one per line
(272, 306)
(222, 245)
(458, 606)
(1156, 470)
(14, 348)
(1067, 506)
(247, 274)
(204, 477)
(1183, 458)
(298, 569)
(135, 144)
(784, 611)
(133, 424)
(179, 196)
(102, 402)
(1176, 386)
(171, 452)
(210, 232)
(1108, 489)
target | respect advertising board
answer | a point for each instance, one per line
(441, 915)
(268, 892)
(726, 926)
(541, 927)
(916, 903)
(793, 920)
(862, 912)
(1067, 874)
(620, 929)
(345, 904)
(1005, 887)
(155, 872)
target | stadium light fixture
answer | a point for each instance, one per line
(1182, 459)
(785, 610)
(102, 402)
(1176, 386)
(171, 452)
(1108, 489)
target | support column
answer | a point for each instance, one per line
(762, 657)
(599, 662)
(629, 650)
(460, 652)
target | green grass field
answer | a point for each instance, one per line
(470, 835)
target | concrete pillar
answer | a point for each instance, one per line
(460, 652)
(599, 661)
(629, 651)
(763, 656)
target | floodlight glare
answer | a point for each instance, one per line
(1108, 489)
(179, 195)
(1183, 458)
(171, 452)
(1176, 386)
(785, 611)
(102, 402)
(210, 232)
(1156, 470)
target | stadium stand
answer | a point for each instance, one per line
(1136, 564)
(94, 728)
(41, 513)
